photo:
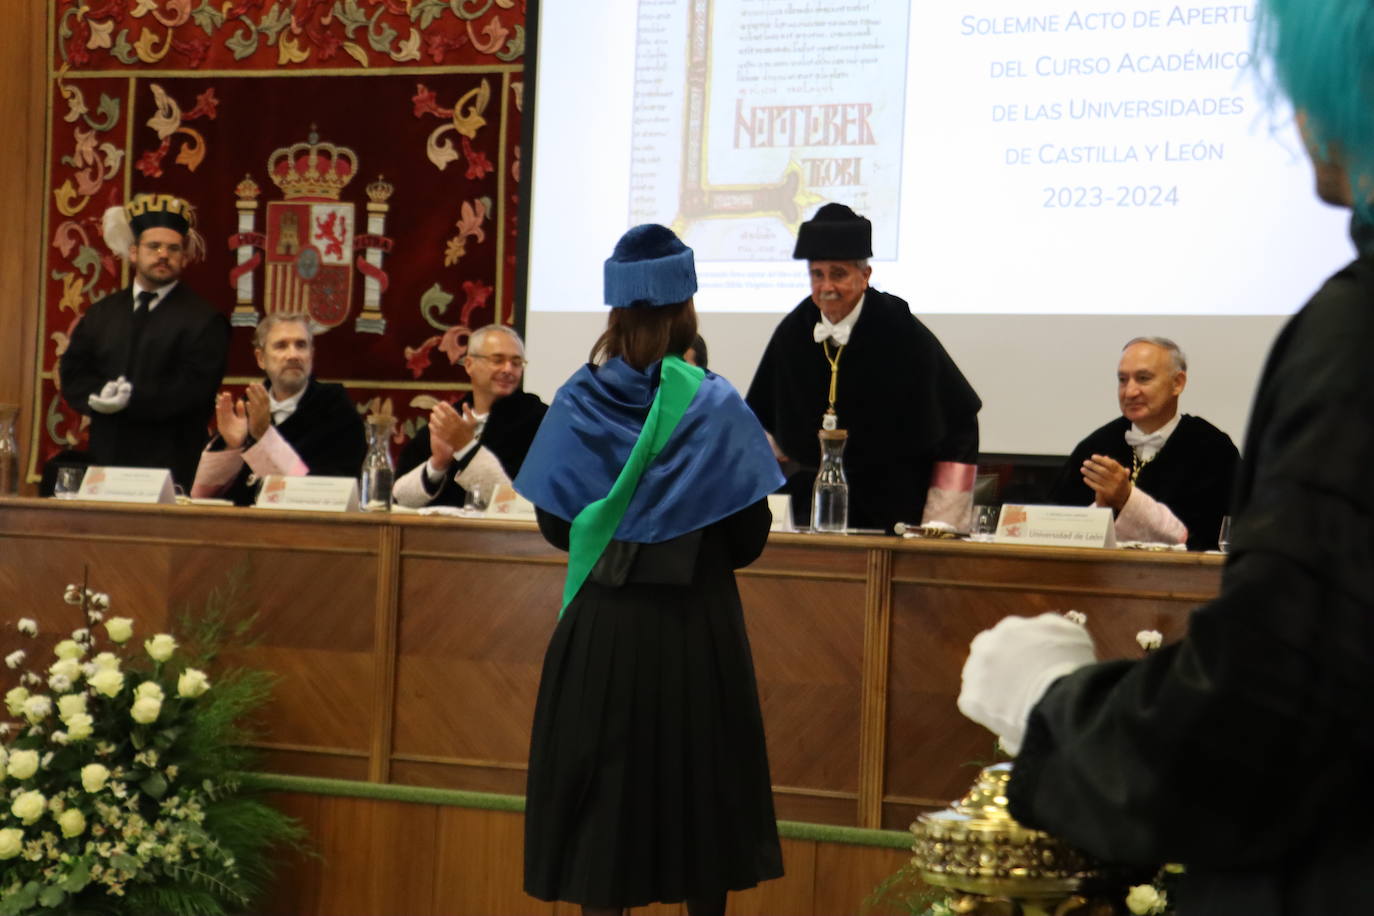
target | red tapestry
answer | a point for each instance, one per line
(359, 159)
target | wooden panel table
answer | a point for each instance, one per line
(409, 647)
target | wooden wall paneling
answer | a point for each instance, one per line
(23, 111)
(298, 873)
(378, 857)
(847, 875)
(793, 893)
(807, 637)
(386, 615)
(448, 773)
(471, 646)
(480, 860)
(933, 751)
(873, 702)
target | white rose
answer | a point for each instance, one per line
(1143, 900)
(14, 659)
(149, 689)
(11, 842)
(79, 727)
(192, 683)
(106, 661)
(68, 669)
(119, 628)
(70, 705)
(93, 776)
(161, 646)
(29, 806)
(69, 648)
(37, 708)
(145, 710)
(108, 682)
(27, 625)
(72, 822)
(14, 700)
(1149, 639)
(22, 764)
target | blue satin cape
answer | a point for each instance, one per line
(715, 463)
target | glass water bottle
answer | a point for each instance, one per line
(374, 484)
(830, 495)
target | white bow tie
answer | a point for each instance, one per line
(1135, 439)
(839, 334)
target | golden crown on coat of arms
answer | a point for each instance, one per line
(312, 169)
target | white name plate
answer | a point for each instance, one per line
(316, 494)
(127, 485)
(506, 503)
(780, 504)
(1057, 526)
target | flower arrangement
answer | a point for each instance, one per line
(119, 790)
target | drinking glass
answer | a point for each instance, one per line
(984, 523)
(1224, 537)
(476, 499)
(68, 482)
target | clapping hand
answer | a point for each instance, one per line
(231, 420)
(1110, 482)
(450, 431)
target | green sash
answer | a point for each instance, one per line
(595, 525)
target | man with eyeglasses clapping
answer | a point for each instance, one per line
(480, 442)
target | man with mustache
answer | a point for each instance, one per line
(144, 362)
(1167, 476)
(911, 417)
(480, 442)
(293, 425)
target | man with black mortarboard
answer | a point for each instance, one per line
(856, 358)
(144, 362)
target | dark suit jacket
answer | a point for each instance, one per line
(176, 372)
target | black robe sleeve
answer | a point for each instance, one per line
(1247, 746)
(327, 432)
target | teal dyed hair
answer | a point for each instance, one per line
(1322, 53)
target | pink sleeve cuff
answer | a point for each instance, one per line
(954, 476)
(215, 472)
(272, 454)
(1145, 518)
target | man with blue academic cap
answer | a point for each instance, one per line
(860, 356)
(144, 362)
(1242, 751)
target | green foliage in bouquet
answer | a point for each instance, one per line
(119, 788)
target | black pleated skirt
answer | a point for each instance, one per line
(648, 777)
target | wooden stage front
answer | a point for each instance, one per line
(409, 647)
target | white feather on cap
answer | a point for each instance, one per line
(114, 226)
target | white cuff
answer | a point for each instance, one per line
(409, 490)
(483, 472)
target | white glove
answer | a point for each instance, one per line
(113, 398)
(1011, 666)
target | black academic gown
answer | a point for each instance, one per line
(904, 402)
(175, 374)
(1244, 751)
(1192, 474)
(508, 432)
(325, 430)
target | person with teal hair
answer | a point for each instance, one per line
(1243, 750)
(648, 778)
